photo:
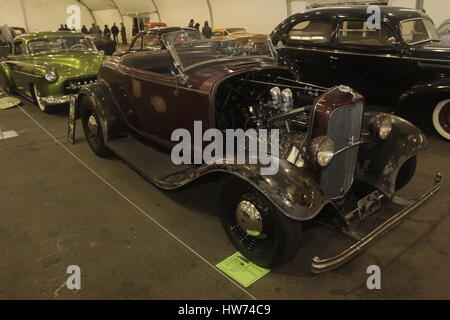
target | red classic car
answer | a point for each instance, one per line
(335, 161)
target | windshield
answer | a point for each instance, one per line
(66, 43)
(445, 29)
(419, 30)
(190, 53)
(237, 31)
(182, 36)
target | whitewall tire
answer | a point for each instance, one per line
(441, 119)
(37, 98)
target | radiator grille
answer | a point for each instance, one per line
(73, 86)
(344, 128)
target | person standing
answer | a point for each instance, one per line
(115, 33)
(207, 31)
(61, 27)
(107, 32)
(197, 26)
(84, 30)
(191, 23)
(123, 33)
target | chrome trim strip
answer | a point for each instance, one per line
(323, 265)
(55, 100)
(364, 54)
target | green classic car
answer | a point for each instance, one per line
(48, 67)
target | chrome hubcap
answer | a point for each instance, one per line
(249, 218)
(92, 125)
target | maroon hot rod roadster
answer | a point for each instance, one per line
(334, 158)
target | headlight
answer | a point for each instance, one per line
(322, 150)
(51, 76)
(382, 125)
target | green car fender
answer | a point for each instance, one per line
(6, 79)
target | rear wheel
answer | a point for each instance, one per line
(441, 119)
(255, 226)
(37, 98)
(92, 128)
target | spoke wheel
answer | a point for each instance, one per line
(441, 119)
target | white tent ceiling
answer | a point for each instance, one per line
(258, 16)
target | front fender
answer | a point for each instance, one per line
(292, 190)
(381, 161)
(107, 109)
(427, 91)
(6, 77)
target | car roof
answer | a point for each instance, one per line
(48, 34)
(395, 14)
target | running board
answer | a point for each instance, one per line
(156, 166)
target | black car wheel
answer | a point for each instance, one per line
(255, 226)
(441, 119)
(92, 128)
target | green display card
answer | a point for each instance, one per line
(242, 270)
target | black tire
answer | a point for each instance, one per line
(279, 238)
(94, 136)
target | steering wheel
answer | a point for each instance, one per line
(79, 45)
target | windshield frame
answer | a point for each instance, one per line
(183, 69)
(423, 19)
(65, 49)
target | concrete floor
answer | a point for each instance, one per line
(61, 205)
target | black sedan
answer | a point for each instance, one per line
(401, 66)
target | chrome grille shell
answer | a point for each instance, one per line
(345, 124)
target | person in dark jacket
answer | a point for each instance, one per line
(197, 26)
(84, 30)
(191, 23)
(107, 32)
(123, 33)
(115, 33)
(61, 27)
(207, 31)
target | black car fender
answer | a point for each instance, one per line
(106, 108)
(291, 190)
(428, 93)
(381, 160)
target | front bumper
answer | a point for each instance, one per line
(323, 265)
(48, 101)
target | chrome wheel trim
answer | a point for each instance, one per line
(249, 218)
(38, 96)
(92, 125)
(441, 127)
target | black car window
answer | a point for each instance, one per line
(18, 48)
(358, 33)
(316, 31)
(137, 44)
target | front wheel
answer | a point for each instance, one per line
(37, 98)
(255, 226)
(92, 128)
(441, 119)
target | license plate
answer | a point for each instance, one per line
(369, 204)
